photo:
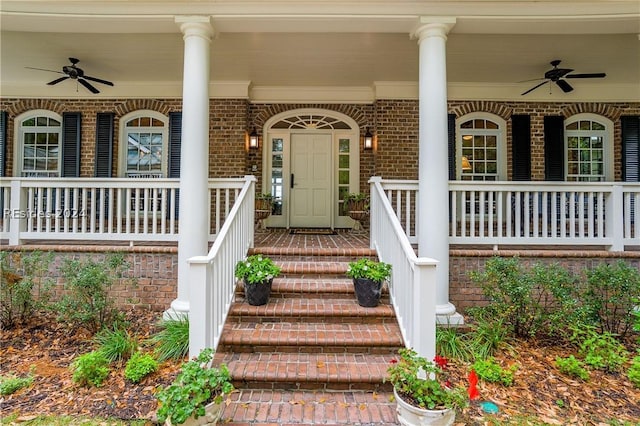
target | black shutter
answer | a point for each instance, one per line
(521, 147)
(630, 148)
(3, 143)
(104, 144)
(71, 144)
(554, 148)
(175, 141)
(451, 125)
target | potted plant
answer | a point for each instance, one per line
(257, 272)
(264, 205)
(368, 276)
(357, 205)
(422, 391)
(195, 396)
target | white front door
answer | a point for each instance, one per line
(310, 194)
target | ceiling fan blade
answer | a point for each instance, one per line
(98, 80)
(534, 88)
(57, 80)
(42, 69)
(566, 87)
(86, 84)
(593, 75)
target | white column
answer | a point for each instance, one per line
(433, 176)
(194, 153)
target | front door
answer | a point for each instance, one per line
(310, 194)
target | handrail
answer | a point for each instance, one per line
(211, 277)
(412, 285)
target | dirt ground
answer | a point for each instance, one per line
(539, 392)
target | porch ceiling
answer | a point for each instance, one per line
(487, 56)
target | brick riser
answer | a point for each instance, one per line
(312, 335)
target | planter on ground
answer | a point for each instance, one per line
(409, 415)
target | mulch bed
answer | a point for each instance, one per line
(539, 390)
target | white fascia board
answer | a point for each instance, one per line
(325, 94)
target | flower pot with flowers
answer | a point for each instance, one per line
(257, 273)
(264, 205)
(368, 277)
(423, 393)
(356, 205)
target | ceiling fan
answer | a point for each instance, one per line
(557, 75)
(75, 73)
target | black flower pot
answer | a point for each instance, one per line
(367, 292)
(257, 294)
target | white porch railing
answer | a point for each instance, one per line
(531, 213)
(140, 209)
(211, 277)
(412, 286)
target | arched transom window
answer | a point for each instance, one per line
(587, 153)
(310, 121)
(481, 148)
(40, 139)
(144, 134)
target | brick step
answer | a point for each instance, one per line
(345, 254)
(311, 269)
(269, 407)
(311, 338)
(327, 288)
(286, 371)
(311, 309)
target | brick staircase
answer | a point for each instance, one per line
(312, 355)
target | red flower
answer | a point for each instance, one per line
(441, 361)
(394, 361)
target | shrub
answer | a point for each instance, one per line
(172, 341)
(610, 296)
(572, 366)
(90, 369)
(634, 371)
(490, 371)
(452, 344)
(487, 336)
(116, 343)
(530, 302)
(88, 282)
(139, 366)
(10, 383)
(601, 351)
(24, 286)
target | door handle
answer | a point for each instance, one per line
(292, 177)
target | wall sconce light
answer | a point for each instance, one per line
(368, 140)
(253, 139)
(466, 165)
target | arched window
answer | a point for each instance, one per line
(588, 154)
(144, 144)
(480, 147)
(39, 144)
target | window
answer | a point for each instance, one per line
(40, 139)
(480, 148)
(586, 141)
(144, 134)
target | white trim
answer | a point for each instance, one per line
(123, 143)
(501, 143)
(18, 138)
(608, 141)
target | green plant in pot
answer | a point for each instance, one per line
(423, 391)
(196, 395)
(368, 277)
(356, 205)
(257, 272)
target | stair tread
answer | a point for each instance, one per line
(312, 307)
(314, 251)
(323, 368)
(312, 334)
(307, 267)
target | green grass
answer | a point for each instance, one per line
(66, 421)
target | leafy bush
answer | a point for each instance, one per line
(11, 383)
(634, 371)
(24, 285)
(530, 302)
(572, 366)
(369, 269)
(256, 269)
(490, 371)
(88, 282)
(172, 341)
(487, 336)
(139, 366)
(116, 343)
(452, 344)
(611, 295)
(90, 369)
(601, 351)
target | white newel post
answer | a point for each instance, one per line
(194, 153)
(433, 175)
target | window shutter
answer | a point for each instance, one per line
(104, 144)
(630, 148)
(451, 124)
(3, 143)
(71, 144)
(521, 147)
(554, 148)
(175, 141)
